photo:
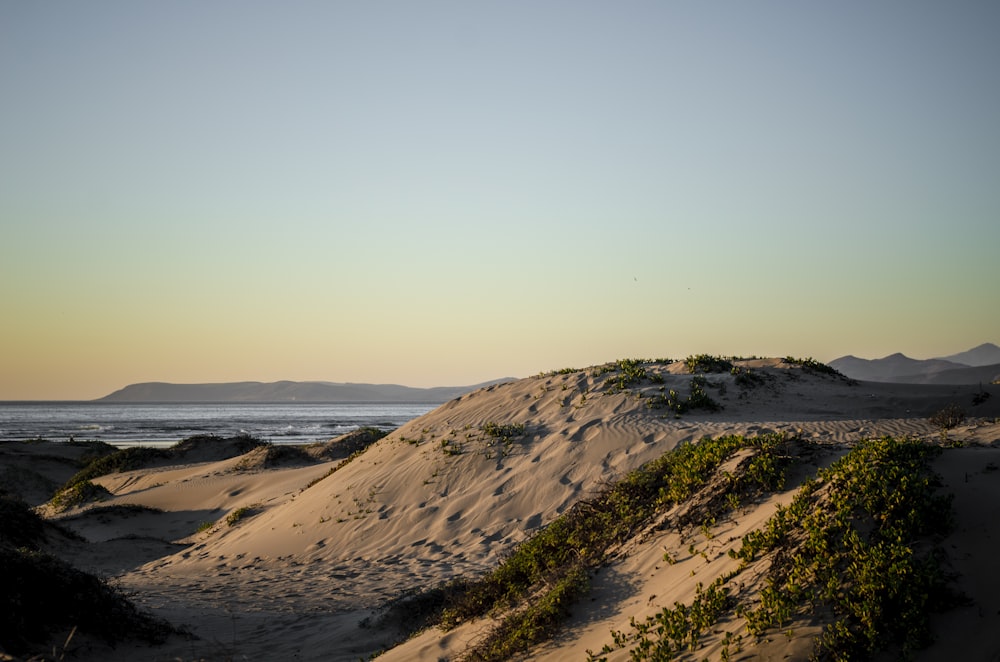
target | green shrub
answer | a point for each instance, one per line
(814, 366)
(77, 494)
(123, 459)
(536, 623)
(705, 363)
(698, 398)
(550, 569)
(561, 371)
(629, 372)
(850, 546)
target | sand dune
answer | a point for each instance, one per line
(323, 543)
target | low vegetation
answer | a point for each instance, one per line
(43, 598)
(814, 366)
(747, 378)
(124, 459)
(77, 494)
(698, 398)
(269, 455)
(626, 373)
(138, 457)
(948, 417)
(241, 513)
(534, 587)
(705, 363)
(854, 548)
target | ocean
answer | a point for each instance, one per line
(166, 424)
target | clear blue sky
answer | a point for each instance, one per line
(436, 193)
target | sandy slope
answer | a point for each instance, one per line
(440, 497)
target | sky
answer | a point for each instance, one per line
(443, 193)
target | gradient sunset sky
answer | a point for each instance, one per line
(442, 193)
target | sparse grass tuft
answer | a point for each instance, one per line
(241, 513)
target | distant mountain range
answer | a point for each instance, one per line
(978, 365)
(286, 391)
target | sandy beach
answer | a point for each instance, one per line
(293, 556)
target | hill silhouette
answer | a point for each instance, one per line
(286, 391)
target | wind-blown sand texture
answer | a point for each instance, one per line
(324, 543)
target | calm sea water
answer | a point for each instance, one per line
(161, 425)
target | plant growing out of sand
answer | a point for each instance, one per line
(948, 417)
(857, 523)
(746, 378)
(77, 494)
(43, 596)
(502, 435)
(451, 447)
(629, 371)
(124, 459)
(241, 513)
(697, 399)
(705, 363)
(561, 371)
(812, 365)
(103, 463)
(847, 545)
(540, 579)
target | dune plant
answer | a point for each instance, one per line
(812, 365)
(538, 581)
(501, 436)
(124, 459)
(698, 398)
(241, 513)
(746, 378)
(948, 417)
(561, 371)
(77, 494)
(706, 363)
(42, 597)
(626, 373)
(848, 545)
(31, 617)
